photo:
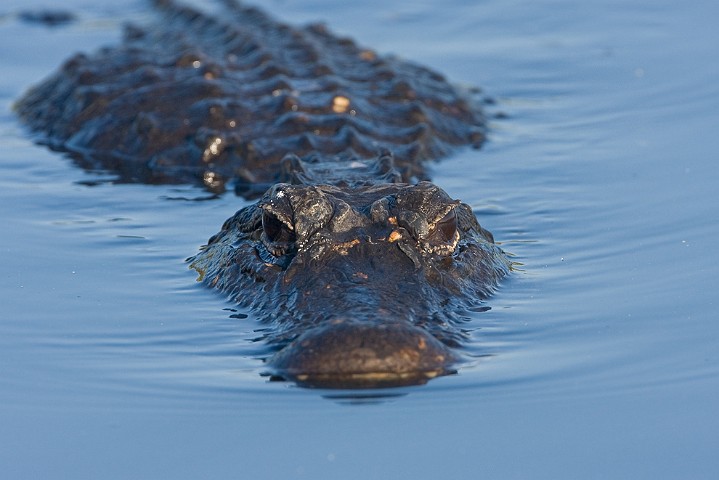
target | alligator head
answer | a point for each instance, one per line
(362, 275)
(364, 285)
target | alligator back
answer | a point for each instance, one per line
(213, 99)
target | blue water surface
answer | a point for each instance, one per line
(598, 359)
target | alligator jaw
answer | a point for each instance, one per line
(357, 355)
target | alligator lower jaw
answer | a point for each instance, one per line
(352, 381)
(352, 355)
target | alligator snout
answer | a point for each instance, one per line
(347, 354)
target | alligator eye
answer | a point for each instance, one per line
(444, 231)
(278, 238)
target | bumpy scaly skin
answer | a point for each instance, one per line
(370, 282)
(204, 99)
(362, 275)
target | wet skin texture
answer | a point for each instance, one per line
(363, 271)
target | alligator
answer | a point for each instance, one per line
(362, 269)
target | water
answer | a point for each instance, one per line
(598, 359)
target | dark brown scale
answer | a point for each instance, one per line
(170, 69)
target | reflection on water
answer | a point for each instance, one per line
(364, 398)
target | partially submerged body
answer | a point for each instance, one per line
(369, 284)
(363, 274)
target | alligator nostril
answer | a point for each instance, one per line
(358, 355)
